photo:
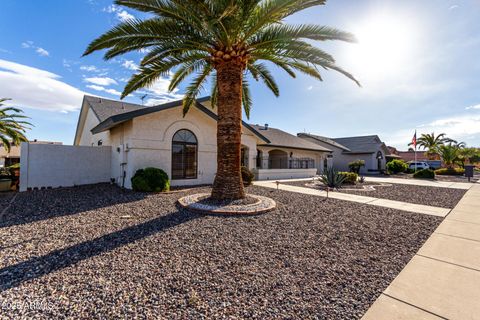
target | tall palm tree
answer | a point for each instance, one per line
(12, 126)
(224, 39)
(431, 143)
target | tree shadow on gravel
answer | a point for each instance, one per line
(37, 205)
(14, 275)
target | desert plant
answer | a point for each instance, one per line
(450, 171)
(424, 174)
(397, 166)
(355, 166)
(12, 126)
(224, 39)
(150, 180)
(449, 153)
(332, 179)
(361, 179)
(247, 176)
(350, 177)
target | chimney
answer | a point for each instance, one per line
(266, 126)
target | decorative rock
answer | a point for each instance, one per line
(193, 203)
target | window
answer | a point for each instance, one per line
(184, 155)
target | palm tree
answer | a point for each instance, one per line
(431, 143)
(449, 153)
(224, 39)
(12, 130)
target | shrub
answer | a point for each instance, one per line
(350, 177)
(424, 174)
(332, 178)
(397, 166)
(150, 180)
(247, 176)
(355, 166)
(450, 171)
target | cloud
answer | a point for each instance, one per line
(129, 64)
(158, 93)
(453, 7)
(120, 13)
(309, 88)
(4, 51)
(461, 128)
(88, 68)
(473, 107)
(100, 88)
(30, 45)
(36, 88)
(42, 52)
(101, 81)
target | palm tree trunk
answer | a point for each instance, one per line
(228, 182)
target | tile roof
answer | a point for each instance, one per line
(112, 113)
(324, 140)
(106, 108)
(360, 144)
(279, 138)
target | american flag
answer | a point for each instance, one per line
(414, 139)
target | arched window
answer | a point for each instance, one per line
(184, 155)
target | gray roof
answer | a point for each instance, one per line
(279, 138)
(324, 140)
(106, 108)
(112, 113)
(361, 144)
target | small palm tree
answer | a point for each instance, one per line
(449, 153)
(12, 130)
(224, 39)
(431, 143)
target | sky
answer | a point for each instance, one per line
(418, 63)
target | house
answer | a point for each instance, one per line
(411, 156)
(13, 157)
(185, 147)
(345, 150)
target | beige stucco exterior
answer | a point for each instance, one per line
(341, 159)
(146, 141)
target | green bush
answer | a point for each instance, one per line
(350, 177)
(247, 176)
(332, 178)
(150, 180)
(396, 166)
(424, 174)
(450, 171)
(355, 166)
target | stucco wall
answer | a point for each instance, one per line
(317, 156)
(147, 141)
(341, 160)
(48, 165)
(277, 174)
(86, 136)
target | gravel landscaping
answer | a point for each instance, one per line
(430, 196)
(99, 252)
(439, 177)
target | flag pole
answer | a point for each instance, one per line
(415, 150)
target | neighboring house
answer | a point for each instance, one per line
(185, 147)
(13, 157)
(345, 150)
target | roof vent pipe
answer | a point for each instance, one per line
(266, 126)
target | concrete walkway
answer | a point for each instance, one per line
(442, 281)
(426, 183)
(410, 207)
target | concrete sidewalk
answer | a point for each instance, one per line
(405, 206)
(442, 281)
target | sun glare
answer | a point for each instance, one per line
(384, 47)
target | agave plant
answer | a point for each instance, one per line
(332, 179)
(223, 40)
